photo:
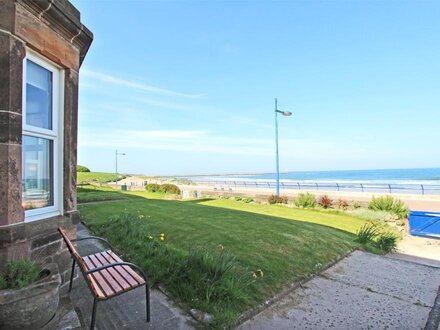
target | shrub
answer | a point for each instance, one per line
(19, 273)
(237, 198)
(248, 199)
(170, 189)
(387, 242)
(356, 205)
(274, 199)
(325, 201)
(389, 204)
(342, 204)
(305, 200)
(152, 187)
(80, 168)
(366, 233)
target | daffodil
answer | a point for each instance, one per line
(254, 275)
(150, 237)
(162, 238)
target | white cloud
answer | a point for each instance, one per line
(136, 85)
(197, 141)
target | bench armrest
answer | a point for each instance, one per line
(93, 237)
(97, 269)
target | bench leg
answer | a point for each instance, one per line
(147, 301)
(95, 305)
(71, 275)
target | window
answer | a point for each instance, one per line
(42, 138)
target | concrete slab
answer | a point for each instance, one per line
(409, 281)
(363, 291)
(126, 311)
(328, 304)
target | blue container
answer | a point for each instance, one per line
(426, 224)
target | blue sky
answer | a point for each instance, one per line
(188, 87)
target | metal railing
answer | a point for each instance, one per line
(402, 188)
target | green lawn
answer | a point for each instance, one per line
(96, 177)
(286, 244)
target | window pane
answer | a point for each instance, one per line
(37, 181)
(38, 96)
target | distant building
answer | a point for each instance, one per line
(42, 46)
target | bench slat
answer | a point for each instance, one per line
(118, 278)
(126, 272)
(132, 272)
(98, 277)
(106, 274)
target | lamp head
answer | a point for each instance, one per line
(287, 113)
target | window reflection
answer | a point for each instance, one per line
(37, 183)
(38, 96)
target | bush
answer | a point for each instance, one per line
(248, 199)
(168, 188)
(387, 242)
(306, 201)
(342, 204)
(274, 199)
(80, 168)
(325, 202)
(238, 198)
(19, 273)
(366, 233)
(152, 187)
(356, 205)
(389, 204)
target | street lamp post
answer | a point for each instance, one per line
(284, 113)
(116, 171)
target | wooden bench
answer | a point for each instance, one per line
(107, 276)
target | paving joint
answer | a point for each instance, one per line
(433, 322)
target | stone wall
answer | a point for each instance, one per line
(53, 29)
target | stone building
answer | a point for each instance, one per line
(42, 46)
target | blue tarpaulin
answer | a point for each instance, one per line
(426, 224)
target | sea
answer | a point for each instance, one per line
(412, 180)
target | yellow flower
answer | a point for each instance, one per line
(162, 234)
(162, 238)
(261, 272)
(150, 237)
(221, 247)
(254, 275)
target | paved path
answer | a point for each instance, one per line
(126, 311)
(363, 291)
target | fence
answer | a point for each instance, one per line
(401, 188)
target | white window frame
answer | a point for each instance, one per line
(55, 134)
